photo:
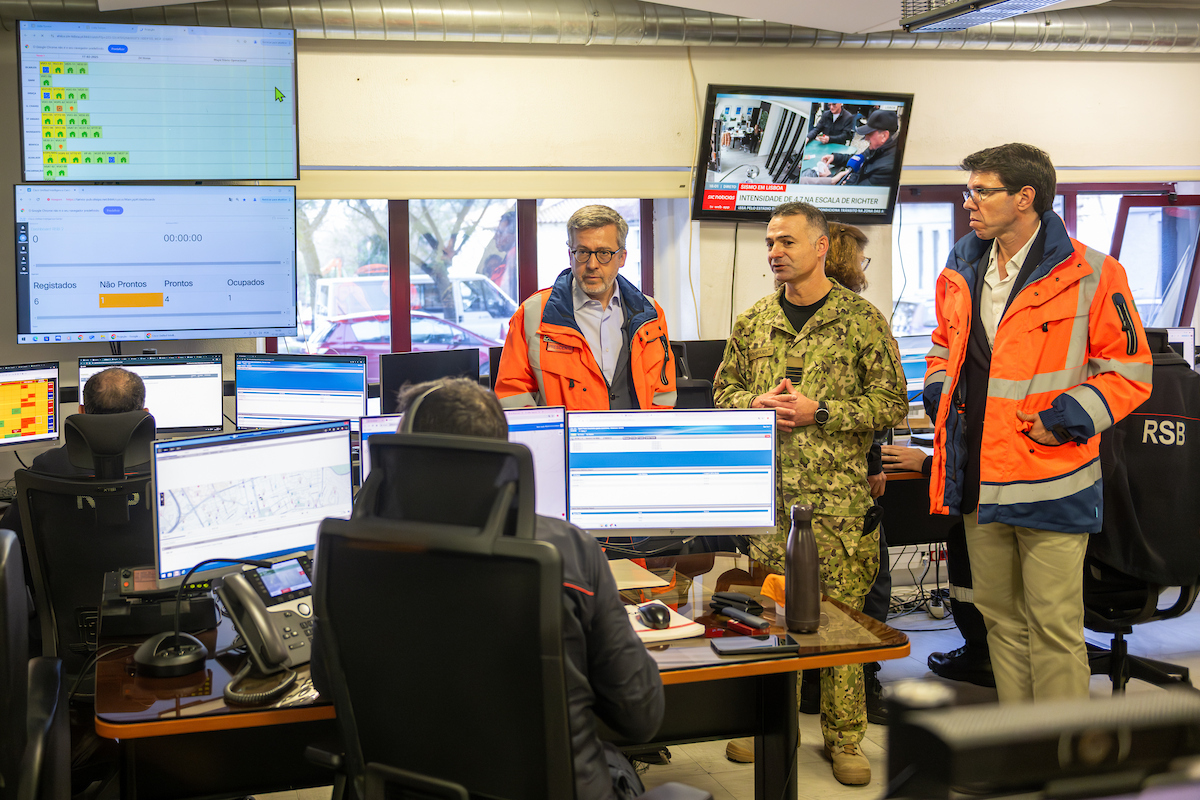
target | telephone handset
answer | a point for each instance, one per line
(271, 607)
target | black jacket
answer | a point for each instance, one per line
(877, 169)
(1151, 462)
(840, 130)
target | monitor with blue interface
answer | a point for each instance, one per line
(543, 431)
(250, 494)
(28, 403)
(672, 473)
(368, 427)
(129, 263)
(273, 389)
(184, 393)
(116, 102)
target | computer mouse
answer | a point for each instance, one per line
(654, 616)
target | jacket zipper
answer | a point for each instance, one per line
(666, 357)
(1126, 323)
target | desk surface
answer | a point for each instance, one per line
(132, 707)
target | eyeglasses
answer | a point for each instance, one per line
(866, 262)
(582, 256)
(979, 195)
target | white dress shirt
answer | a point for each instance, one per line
(601, 327)
(995, 292)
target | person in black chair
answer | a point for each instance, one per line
(613, 677)
(111, 391)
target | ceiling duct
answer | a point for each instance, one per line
(1105, 28)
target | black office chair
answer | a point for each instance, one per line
(704, 357)
(35, 755)
(1146, 546)
(78, 528)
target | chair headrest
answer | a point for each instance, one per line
(107, 442)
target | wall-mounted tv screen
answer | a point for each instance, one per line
(840, 151)
(122, 263)
(108, 102)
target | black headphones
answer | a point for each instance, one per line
(410, 415)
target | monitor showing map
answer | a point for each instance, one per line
(114, 102)
(131, 263)
(251, 494)
(28, 403)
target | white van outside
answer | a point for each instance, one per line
(480, 306)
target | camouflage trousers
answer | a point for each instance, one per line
(849, 561)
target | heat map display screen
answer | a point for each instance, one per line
(28, 403)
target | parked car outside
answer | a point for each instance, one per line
(370, 335)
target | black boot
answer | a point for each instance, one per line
(971, 663)
(877, 711)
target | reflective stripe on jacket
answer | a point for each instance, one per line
(547, 361)
(1070, 346)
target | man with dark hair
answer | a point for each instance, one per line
(824, 359)
(592, 340)
(1037, 350)
(611, 676)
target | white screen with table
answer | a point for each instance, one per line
(182, 392)
(661, 473)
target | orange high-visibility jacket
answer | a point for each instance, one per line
(1070, 346)
(547, 361)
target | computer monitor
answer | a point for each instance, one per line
(397, 369)
(368, 427)
(111, 263)
(28, 403)
(494, 354)
(249, 494)
(273, 389)
(184, 393)
(672, 473)
(543, 430)
(1183, 340)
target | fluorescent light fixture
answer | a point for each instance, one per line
(957, 16)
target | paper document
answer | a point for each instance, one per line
(629, 575)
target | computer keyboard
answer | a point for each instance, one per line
(8, 493)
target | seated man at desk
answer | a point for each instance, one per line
(611, 674)
(874, 166)
(835, 126)
(111, 391)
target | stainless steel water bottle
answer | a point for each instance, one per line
(801, 574)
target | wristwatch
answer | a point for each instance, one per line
(821, 415)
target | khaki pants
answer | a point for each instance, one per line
(1029, 587)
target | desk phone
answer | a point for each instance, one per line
(271, 607)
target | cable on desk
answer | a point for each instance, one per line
(232, 695)
(89, 664)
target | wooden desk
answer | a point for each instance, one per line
(179, 738)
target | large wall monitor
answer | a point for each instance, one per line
(28, 403)
(251, 494)
(273, 389)
(184, 393)
(543, 431)
(124, 263)
(109, 102)
(762, 146)
(672, 473)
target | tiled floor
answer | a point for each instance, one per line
(704, 765)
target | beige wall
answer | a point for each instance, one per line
(607, 121)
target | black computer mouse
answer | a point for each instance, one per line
(654, 616)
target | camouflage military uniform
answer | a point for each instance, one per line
(846, 356)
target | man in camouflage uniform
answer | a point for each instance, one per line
(825, 360)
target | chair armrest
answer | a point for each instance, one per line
(46, 765)
(320, 757)
(675, 791)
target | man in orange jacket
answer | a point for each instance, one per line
(1038, 349)
(592, 340)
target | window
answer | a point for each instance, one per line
(552, 216)
(342, 279)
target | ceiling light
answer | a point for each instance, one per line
(932, 15)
